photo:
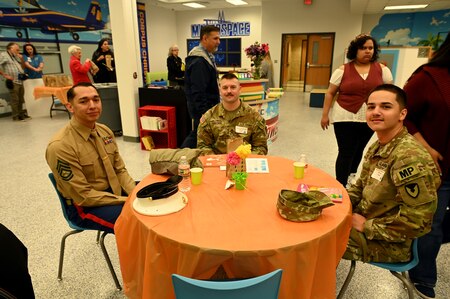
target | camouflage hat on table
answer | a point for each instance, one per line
(299, 207)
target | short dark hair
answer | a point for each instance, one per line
(207, 29)
(358, 43)
(400, 94)
(25, 49)
(229, 76)
(71, 92)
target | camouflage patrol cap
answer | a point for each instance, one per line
(299, 206)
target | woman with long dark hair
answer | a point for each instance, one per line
(103, 57)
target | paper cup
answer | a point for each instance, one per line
(196, 175)
(299, 170)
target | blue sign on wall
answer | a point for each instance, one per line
(227, 28)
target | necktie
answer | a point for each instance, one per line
(110, 173)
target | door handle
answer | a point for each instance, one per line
(317, 65)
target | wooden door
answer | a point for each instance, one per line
(285, 58)
(319, 60)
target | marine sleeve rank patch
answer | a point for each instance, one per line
(413, 190)
(64, 170)
(407, 172)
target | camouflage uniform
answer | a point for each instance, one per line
(396, 193)
(218, 125)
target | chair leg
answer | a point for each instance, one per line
(347, 280)
(61, 251)
(406, 283)
(108, 261)
(98, 236)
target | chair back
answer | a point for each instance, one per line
(261, 287)
(63, 203)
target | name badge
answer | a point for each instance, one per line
(378, 174)
(241, 130)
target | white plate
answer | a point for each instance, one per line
(159, 207)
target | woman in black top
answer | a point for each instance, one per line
(103, 57)
(175, 66)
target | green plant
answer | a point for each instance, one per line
(432, 41)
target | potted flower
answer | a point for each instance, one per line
(256, 53)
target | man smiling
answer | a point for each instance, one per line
(86, 163)
(395, 197)
(230, 120)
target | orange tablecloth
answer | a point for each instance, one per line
(59, 92)
(238, 230)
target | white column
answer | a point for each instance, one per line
(124, 28)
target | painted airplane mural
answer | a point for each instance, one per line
(28, 13)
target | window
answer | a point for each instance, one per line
(228, 54)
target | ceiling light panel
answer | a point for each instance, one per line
(194, 5)
(237, 2)
(397, 7)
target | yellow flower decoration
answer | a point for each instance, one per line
(244, 150)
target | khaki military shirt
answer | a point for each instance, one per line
(218, 125)
(78, 168)
(396, 191)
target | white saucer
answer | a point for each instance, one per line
(159, 207)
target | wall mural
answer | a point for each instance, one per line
(413, 29)
(83, 20)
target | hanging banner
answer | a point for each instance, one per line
(142, 25)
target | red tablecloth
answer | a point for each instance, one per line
(238, 230)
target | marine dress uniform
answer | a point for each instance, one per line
(219, 125)
(96, 189)
(396, 193)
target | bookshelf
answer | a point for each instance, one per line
(162, 138)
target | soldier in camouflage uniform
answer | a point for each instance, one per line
(229, 120)
(395, 197)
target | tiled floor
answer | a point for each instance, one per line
(28, 206)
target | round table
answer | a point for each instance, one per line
(240, 232)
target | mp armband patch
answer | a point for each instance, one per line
(407, 172)
(64, 170)
(412, 190)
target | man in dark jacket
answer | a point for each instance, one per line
(201, 87)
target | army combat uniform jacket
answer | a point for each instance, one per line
(396, 193)
(79, 172)
(218, 125)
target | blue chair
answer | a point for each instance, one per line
(397, 269)
(261, 287)
(77, 229)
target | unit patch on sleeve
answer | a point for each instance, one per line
(413, 189)
(64, 170)
(407, 172)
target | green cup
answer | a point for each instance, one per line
(299, 170)
(196, 175)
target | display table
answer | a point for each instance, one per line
(238, 231)
(55, 92)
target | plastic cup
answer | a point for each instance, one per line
(299, 170)
(196, 175)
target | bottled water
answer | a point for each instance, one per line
(184, 170)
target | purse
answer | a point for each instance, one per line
(9, 84)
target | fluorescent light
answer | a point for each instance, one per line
(237, 2)
(194, 5)
(396, 7)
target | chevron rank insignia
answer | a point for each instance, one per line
(64, 170)
(412, 190)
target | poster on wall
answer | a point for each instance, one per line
(50, 21)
